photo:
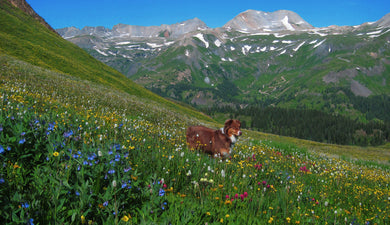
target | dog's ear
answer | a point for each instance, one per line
(228, 122)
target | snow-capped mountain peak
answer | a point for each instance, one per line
(281, 20)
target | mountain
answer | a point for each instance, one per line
(252, 20)
(384, 21)
(131, 31)
(268, 59)
(24, 37)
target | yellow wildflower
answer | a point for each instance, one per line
(125, 218)
(55, 154)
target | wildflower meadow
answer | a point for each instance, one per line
(73, 152)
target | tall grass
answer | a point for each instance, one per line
(73, 151)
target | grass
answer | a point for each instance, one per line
(77, 152)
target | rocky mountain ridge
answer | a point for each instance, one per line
(279, 61)
(250, 21)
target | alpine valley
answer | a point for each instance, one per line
(262, 59)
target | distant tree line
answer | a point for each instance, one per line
(310, 124)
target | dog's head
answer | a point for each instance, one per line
(232, 129)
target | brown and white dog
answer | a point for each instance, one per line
(214, 142)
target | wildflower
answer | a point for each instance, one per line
(22, 141)
(68, 134)
(288, 219)
(2, 181)
(161, 192)
(227, 216)
(189, 173)
(31, 221)
(208, 213)
(111, 171)
(16, 166)
(125, 218)
(55, 154)
(223, 173)
(114, 183)
(1, 149)
(82, 219)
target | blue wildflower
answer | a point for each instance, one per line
(1, 149)
(31, 221)
(91, 156)
(68, 134)
(117, 146)
(111, 171)
(105, 203)
(77, 193)
(8, 148)
(1, 128)
(23, 133)
(22, 141)
(2, 181)
(25, 205)
(51, 126)
(161, 192)
(124, 185)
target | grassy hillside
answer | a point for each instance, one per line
(25, 38)
(78, 152)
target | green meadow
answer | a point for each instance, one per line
(77, 152)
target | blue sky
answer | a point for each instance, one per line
(215, 13)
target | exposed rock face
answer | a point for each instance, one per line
(133, 31)
(384, 21)
(252, 20)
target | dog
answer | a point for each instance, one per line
(214, 142)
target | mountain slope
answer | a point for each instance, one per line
(271, 59)
(24, 37)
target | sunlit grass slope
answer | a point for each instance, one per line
(25, 38)
(77, 152)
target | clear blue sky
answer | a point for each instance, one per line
(215, 13)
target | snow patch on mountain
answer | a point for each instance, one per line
(201, 38)
(299, 46)
(287, 24)
(315, 46)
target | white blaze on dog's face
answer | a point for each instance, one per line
(233, 129)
